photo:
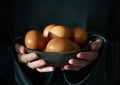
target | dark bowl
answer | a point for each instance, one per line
(59, 59)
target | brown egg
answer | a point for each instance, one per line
(79, 36)
(34, 40)
(47, 29)
(59, 45)
(60, 31)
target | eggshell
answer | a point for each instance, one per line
(60, 31)
(47, 29)
(35, 40)
(79, 36)
(59, 45)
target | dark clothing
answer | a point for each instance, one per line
(96, 16)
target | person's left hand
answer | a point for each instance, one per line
(85, 58)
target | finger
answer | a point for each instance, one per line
(97, 44)
(20, 48)
(90, 56)
(79, 62)
(25, 58)
(36, 64)
(71, 67)
(45, 69)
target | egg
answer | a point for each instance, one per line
(34, 40)
(59, 31)
(59, 45)
(79, 36)
(47, 29)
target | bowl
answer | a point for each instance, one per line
(58, 59)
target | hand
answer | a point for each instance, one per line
(85, 58)
(32, 60)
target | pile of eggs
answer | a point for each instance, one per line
(56, 38)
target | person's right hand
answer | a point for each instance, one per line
(32, 60)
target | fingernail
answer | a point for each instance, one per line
(22, 50)
(80, 55)
(50, 69)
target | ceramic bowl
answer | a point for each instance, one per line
(59, 59)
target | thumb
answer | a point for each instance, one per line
(96, 44)
(20, 48)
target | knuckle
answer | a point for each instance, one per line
(34, 55)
